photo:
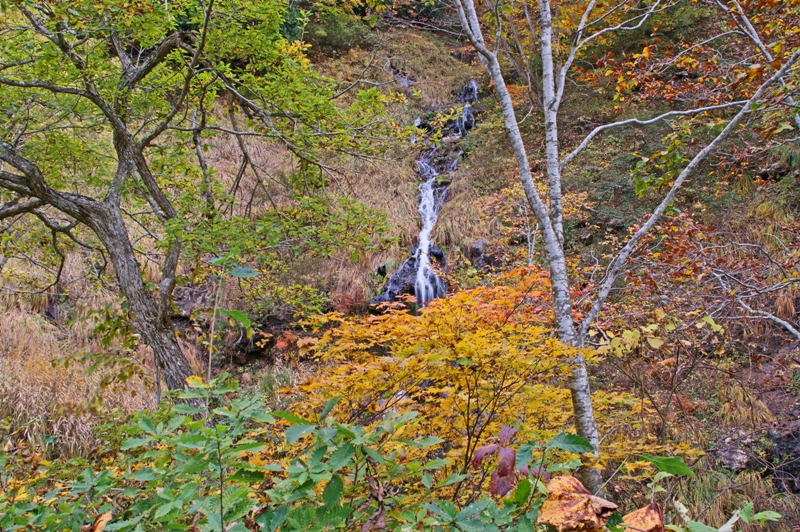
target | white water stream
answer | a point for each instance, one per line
(428, 284)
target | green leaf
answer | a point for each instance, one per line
(341, 457)
(435, 464)
(147, 425)
(746, 513)
(244, 272)
(239, 316)
(332, 493)
(144, 474)
(614, 520)
(524, 454)
(453, 479)
(375, 455)
(430, 441)
(572, 443)
(694, 526)
(669, 464)
(295, 432)
(426, 480)
(328, 407)
(767, 515)
(262, 417)
(248, 477)
(522, 492)
(292, 418)
(183, 408)
(134, 443)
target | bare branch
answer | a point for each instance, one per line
(637, 122)
(13, 208)
(625, 252)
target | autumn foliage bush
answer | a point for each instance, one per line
(465, 364)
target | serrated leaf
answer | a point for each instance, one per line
(295, 432)
(332, 493)
(522, 492)
(430, 441)
(426, 480)
(329, 405)
(341, 457)
(134, 443)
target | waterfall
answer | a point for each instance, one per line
(428, 285)
(416, 274)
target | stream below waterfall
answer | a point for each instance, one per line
(417, 274)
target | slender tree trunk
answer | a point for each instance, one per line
(156, 328)
(550, 225)
(550, 109)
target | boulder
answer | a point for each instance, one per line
(482, 257)
(404, 279)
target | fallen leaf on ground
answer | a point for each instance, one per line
(570, 506)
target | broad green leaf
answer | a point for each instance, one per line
(295, 432)
(133, 443)
(289, 416)
(332, 493)
(239, 316)
(244, 272)
(767, 515)
(341, 457)
(329, 405)
(694, 526)
(522, 492)
(571, 443)
(669, 464)
(525, 454)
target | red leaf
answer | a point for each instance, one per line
(508, 459)
(501, 485)
(507, 434)
(480, 453)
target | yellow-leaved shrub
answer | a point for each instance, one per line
(466, 364)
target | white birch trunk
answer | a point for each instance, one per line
(550, 225)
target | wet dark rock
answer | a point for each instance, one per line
(403, 280)
(734, 459)
(482, 257)
(469, 93)
(787, 453)
(774, 171)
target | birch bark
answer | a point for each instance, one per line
(550, 217)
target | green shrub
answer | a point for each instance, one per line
(333, 30)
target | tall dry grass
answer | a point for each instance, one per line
(50, 403)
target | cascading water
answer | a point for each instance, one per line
(416, 275)
(428, 285)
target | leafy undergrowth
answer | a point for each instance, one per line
(467, 364)
(234, 467)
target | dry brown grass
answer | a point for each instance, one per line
(48, 402)
(713, 497)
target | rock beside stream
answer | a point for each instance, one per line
(403, 280)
